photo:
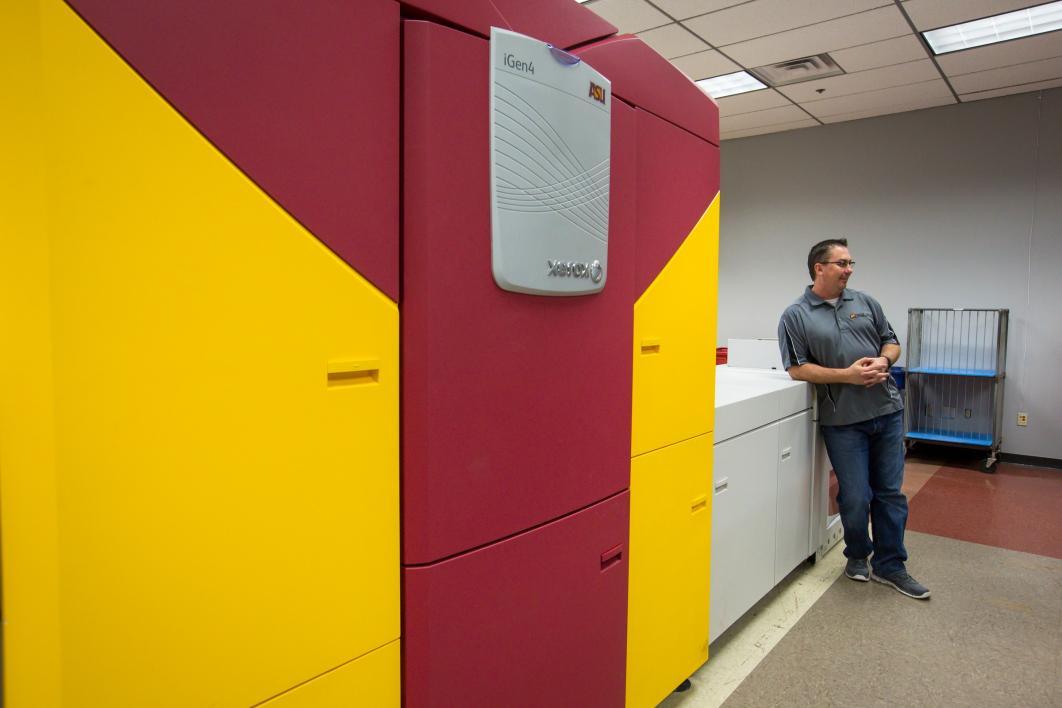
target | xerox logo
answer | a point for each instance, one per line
(571, 269)
(597, 92)
(528, 67)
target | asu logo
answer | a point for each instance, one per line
(597, 92)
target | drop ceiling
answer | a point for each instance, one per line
(888, 68)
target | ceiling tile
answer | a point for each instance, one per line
(890, 51)
(851, 31)
(771, 116)
(913, 105)
(673, 40)
(752, 101)
(931, 14)
(748, 132)
(1018, 51)
(859, 82)
(704, 65)
(883, 99)
(630, 16)
(1008, 90)
(766, 17)
(1033, 71)
(681, 9)
(888, 68)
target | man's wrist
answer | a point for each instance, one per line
(888, 361)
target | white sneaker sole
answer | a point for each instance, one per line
(883, 581)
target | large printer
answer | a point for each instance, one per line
(360, 356)
(770, 481)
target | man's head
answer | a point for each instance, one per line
(823, 265)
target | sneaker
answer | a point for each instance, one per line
(904, 583)
(857, 569)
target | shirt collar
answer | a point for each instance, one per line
(814, 300)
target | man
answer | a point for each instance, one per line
(839, 340)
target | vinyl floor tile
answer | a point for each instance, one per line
(1018, 507)
(990, 636)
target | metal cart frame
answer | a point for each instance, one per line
(956, 367)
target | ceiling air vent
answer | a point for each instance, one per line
(796, 70)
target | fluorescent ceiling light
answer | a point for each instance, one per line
(730, 84)
(998, 28)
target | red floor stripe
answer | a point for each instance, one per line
(1019, 508)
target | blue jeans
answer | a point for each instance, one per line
(868, 460)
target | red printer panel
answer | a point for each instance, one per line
(516, 408)
(641, 76)
(562, 23)
(536, 620)
(678, 177)
(476, 16)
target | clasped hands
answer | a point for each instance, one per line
(868, 371)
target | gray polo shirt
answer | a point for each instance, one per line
(814, 331)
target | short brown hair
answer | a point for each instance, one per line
(822, 250)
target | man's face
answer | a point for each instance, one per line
(833, 276)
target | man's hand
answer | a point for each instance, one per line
(869, 371)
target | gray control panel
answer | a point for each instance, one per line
(550, 145)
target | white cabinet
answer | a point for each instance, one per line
(793, 540)
(763, 488)
(743, 528)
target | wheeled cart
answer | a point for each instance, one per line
(956, 364)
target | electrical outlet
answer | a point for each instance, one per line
(1023, 419)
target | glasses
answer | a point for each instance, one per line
(842, 264)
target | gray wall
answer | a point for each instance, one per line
(959, 206)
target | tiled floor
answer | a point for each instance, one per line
(988, 637)
(1018, 507)
(953, 507)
